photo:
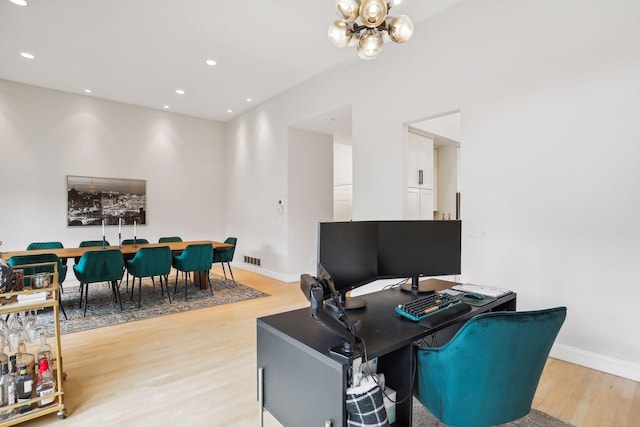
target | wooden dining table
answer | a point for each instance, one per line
(199, 277)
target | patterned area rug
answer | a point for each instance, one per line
(102, 310)
(422, 418)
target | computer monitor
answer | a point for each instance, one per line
(358, 252)
(419, 248)
(348, 251)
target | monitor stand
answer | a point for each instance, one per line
(350, 303)
(416, 287)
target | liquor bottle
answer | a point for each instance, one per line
(45, 385)
(44, 350)
(8, 391)
(24, 386)
(13, 366)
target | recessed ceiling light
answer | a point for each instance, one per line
(180, 91)
(211, 62)
(248, 99)
(229, 110)
(166, 107)
(87, 91)
(19, 2)
(27, 55)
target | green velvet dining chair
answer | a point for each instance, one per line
(90, 244)
(46, 245)
(20, 260)
(223, 255)
(99, 266)
(172, 239)
(150, 262)
(195, 257)
(487, 374)
(128, 257)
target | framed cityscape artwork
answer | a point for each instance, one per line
(90, 200)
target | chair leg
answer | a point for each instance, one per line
(154, 282)
(166, 282)
(114, 284)
(224, 271)
(231, 271)
(62, 308)
(175, 288)
(186, 285)
(139, 291)
(209, 279)
(86, 292)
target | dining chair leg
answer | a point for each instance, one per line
(209, 279)
(154, 282)
(186, 285)
(62, 308)
(175, 288)
(231, 271)
(86, 293)
(224, 271)
(166, 282)
(81, 293)
(139, 291)
(114, 284)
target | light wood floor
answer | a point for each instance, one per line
(199, 369)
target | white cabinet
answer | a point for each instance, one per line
(419, 161)
(420, 177)
(419, 203)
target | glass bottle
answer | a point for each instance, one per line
(24, 386)
(8, 390)
(45, 385)
(3, 356)
(13, 365)
(44, 350)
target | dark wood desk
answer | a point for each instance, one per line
(304, 385)
(199, 278)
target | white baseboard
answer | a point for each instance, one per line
(610, 365)
(273, 274)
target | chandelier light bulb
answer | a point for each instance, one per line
(373, 12)
(367, 25)
(348, 10)
(370, 44)
(339, 33)
(400, 29)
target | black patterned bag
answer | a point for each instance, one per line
(365, 406)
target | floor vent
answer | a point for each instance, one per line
(252, 260)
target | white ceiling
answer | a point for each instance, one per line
(140, 51)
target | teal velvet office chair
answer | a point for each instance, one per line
(19, 260)
(150, 262)
(487, 374)
(196, 257)
(99, 266)
(46, 245)
(223, 255)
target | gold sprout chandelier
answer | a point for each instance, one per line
(373, 29)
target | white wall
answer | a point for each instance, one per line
(549, 95)
(310, 196)
(46, 135)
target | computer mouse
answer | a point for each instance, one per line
(474, 295)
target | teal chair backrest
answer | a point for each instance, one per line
(225, 254)
(92, 243)
(136, 242)
(169, 239)
(148, 262)
(44, 245)
(19, 260)
(100, 266)
(47, 245)
(195, 257)
(488, 372)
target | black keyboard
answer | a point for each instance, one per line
(428, 305)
